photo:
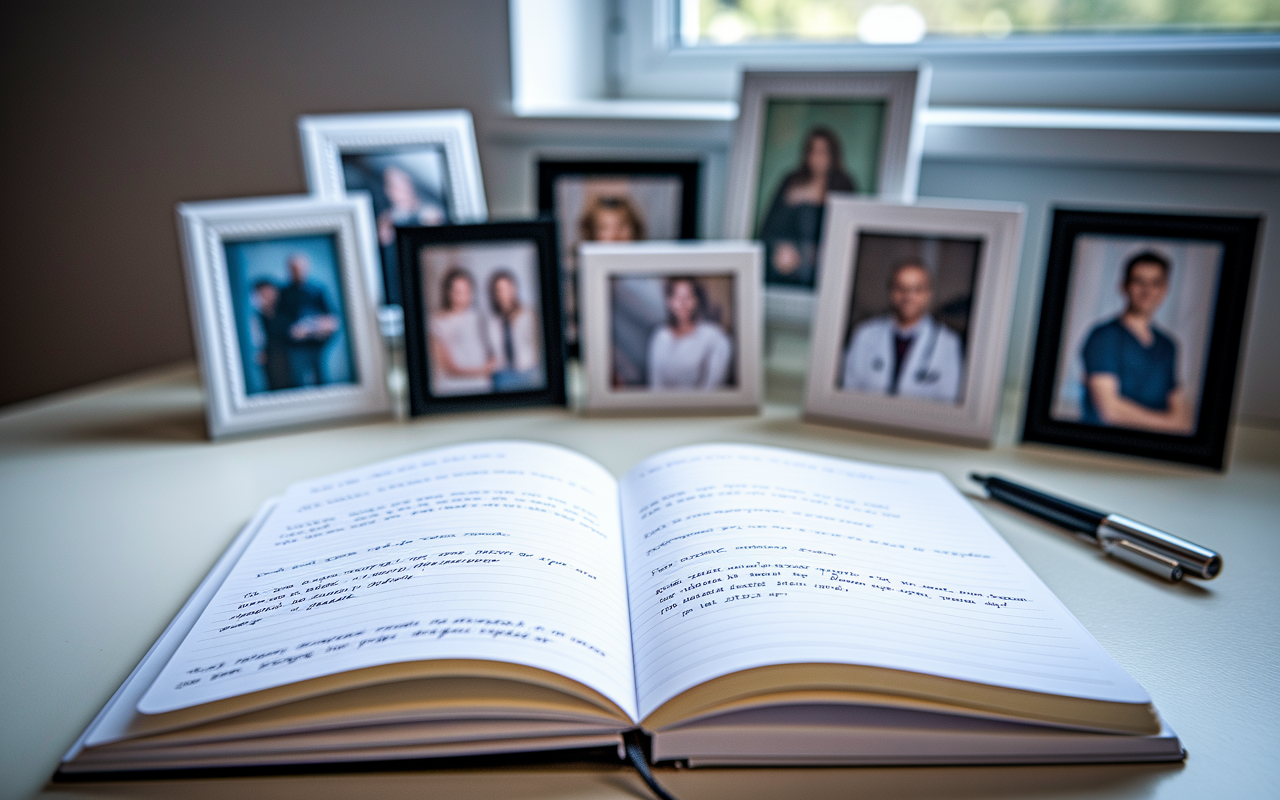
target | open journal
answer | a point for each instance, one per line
(739, 604)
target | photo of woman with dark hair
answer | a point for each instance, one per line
(792, 228)
(513, 336)
(461, 360)
(690, 351)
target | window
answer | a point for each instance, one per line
(681, 59)
(725, 22)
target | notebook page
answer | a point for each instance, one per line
(507, 551)
(742, 556)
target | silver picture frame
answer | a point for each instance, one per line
(326, 138)
(739, 262)
(205, 230)
(995, 231)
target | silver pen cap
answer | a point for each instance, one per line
(1154, 547)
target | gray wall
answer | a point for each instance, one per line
(114, 112)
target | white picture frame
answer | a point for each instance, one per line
(239, 397)
(905, 94)
(630, 277)
(841, 385)
(326, 138)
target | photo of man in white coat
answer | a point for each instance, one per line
(908, 352)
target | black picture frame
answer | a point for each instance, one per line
(688, 172)
(409, 243)
(1206, 445)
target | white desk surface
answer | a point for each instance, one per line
(113, 505)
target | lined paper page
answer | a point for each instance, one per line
(741, 556)
(507, 551)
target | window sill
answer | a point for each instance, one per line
(665, 110)
(946, 116)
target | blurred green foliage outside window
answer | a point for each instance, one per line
(719, 22)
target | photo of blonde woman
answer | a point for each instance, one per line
(614, 202)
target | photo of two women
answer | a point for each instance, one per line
(484, 318)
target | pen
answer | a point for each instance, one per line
(1141, 545)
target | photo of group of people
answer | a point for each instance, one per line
(289, 313)
(672, 333)
(811, 148)
(483, 309)
(908, 317)
(1136, 332)
(408, 186)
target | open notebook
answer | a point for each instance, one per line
(739, 604)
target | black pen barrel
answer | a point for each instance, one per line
(1068, 515)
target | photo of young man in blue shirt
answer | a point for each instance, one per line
(1130, 365)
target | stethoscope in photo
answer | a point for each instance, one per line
(927, 374)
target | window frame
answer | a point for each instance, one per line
(1079, 70)
(667, 33)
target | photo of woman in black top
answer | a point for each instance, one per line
(792, 227)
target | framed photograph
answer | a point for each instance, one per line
(418, 167)
(285, 327)
(912, 325)
(1139, 336)
(804, 135)
(482, 316)
(672, 326)
(614, 201)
